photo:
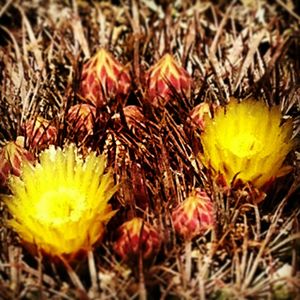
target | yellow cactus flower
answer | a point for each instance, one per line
(60, 205)
(247, 141)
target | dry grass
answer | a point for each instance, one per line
(242, 49)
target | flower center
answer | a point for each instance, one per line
(245, 145)
(60, 206)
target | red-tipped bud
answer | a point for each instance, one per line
(137, 236)
(103, 77)
(40, 133)
(199, 113)
(12, 155)
(81, 119)
(165, 77)
(194, 215)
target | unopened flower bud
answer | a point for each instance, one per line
(40, 133)
(166, 77)
(103, 77)
(133, 116)
(81, 119)
(198, 114)
(137, 236)
(12, 155)
(194, 216)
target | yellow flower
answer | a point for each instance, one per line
(246, 141)
(61, 204)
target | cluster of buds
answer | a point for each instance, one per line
(12, 155)
(40, 133)
(137, 237)
(81, 118)
(103, 77)
(194, 216)
(166, 77)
